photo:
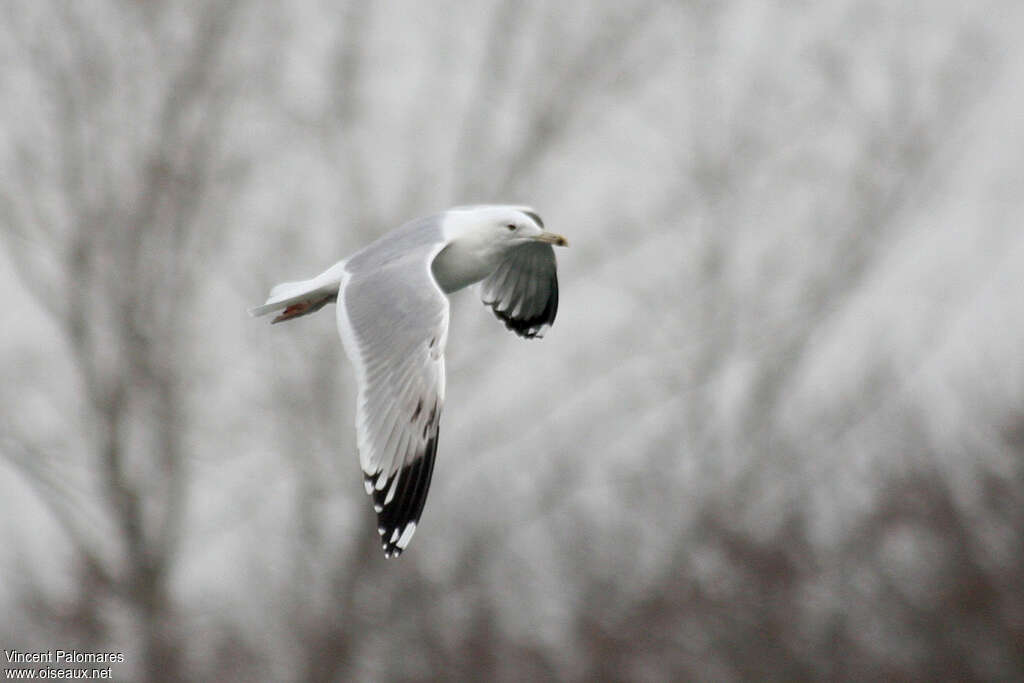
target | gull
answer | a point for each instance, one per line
(393, 320)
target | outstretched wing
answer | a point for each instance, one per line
(393, 321)
(523, 290)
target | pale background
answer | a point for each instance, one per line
(777, 431)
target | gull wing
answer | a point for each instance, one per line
(523, 290)
(393, 321)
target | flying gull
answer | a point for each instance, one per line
(393, 322)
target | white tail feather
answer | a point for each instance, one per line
(303, 291)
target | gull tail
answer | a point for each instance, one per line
(296, 299)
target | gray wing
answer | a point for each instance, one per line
(393, 321)
(523, 290)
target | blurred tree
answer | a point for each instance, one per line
(112, 162)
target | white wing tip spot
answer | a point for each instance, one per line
(391, 491)
(406, 536)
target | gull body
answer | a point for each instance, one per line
(392, 317)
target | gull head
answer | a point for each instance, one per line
(498, 227)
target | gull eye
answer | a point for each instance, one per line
(511, 226)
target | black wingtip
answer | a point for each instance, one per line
(535, 326)
(397, 519)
